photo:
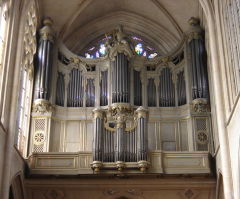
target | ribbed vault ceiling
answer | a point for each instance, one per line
(161, 22)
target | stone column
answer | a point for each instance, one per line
(217, 83)
(97, 139)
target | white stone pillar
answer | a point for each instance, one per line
(219, 103)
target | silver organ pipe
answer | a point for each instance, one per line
(198, 65)
(98, 135)
(90, 93)
(75, 89)
(181, 88)
(166, 89)
(120, 74)
(141, 138)
(43, 71)
(60, 91)
(151, 92)
(137, 89)
(104, 88)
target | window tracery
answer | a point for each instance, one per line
(4, 24)
(3, 27)
(231, 29)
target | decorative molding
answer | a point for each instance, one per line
(202, 137)
(54, 194)
(80, 163)
(38, 137)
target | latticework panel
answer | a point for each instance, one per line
(201, 133)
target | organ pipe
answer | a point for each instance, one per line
(120, 74)
(181, 88)
(44, 62)
(151, 92)
(104, 88)
(198, 62)
(141, 138)
(137, 89)
(90, 93)
(166, 89)
(120, 145)
(76, 89)
(98, 139)
(60, 92)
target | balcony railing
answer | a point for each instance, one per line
(80, 163)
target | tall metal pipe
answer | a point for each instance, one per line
(44, 65)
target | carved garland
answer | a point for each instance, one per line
(29, 40)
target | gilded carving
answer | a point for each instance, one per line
(117, 43)
(141, 112)
(29, 41)
(200, 105)
(96, 165)
(120, 165)
(98, 113)
(42, 106)
(143, 165)
(121, 109)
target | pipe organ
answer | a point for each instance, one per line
(123, 105)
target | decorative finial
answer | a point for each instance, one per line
(46, 31)
(193, 21)
(47, 21)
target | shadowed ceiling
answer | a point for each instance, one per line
(160, 22)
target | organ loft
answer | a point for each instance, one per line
(121, 106)
(129, 99)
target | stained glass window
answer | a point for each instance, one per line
(139, 45)
(152, 55)
(102, 49)
(139, 48)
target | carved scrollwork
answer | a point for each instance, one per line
(29, 41)
(117, 43)
(200, 105)
(42, 106)
(121, 109)
(141, 112)
(98, 113)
